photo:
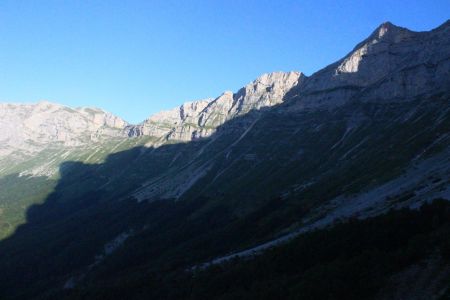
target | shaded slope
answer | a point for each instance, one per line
(165, 206)
(171, 235)
(353, 260)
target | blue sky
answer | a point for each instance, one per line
(135, 58)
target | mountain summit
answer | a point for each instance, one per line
(30, 127)
(392, 63)
(92, 207)
(201, 118)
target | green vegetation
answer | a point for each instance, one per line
(18, 194)
(352, 260)
(271, 180)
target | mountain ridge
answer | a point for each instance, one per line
(223, 178)
(199, 119)
(386, 32)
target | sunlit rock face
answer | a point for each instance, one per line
(364, 135)
(30, 127)
(179, 123)
(387, 85)
(392, 63)
(201, 118)
(377, 44)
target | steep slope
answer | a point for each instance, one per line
(30, 127)
(37, 140)
(286, 154)
(392, 64)
(398, 255)
(400, 84)
(198, 119)
(26, 130)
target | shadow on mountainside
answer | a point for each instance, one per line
(71, 238)
(256, 176)
(249, 185)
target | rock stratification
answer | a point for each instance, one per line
(392, 63)
(30, 127)
(364, 135)
(201, 118)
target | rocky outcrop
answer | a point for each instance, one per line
(388, 83)
(30, 127)
(198, 119)
(181, 118)
(392, 63)
(346, 142)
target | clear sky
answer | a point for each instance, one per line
(135, 58)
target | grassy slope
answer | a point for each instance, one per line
(241, 207)
(352, 260)
(31, 180)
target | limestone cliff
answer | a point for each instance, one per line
(201, 118)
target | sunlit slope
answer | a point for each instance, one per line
(30, 179)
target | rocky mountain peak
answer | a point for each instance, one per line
(227, 94)
(390, 32)
(267, 90)
(30, 127)
(181, 113)
(397, 57)
(386, 35)
(200, 118)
